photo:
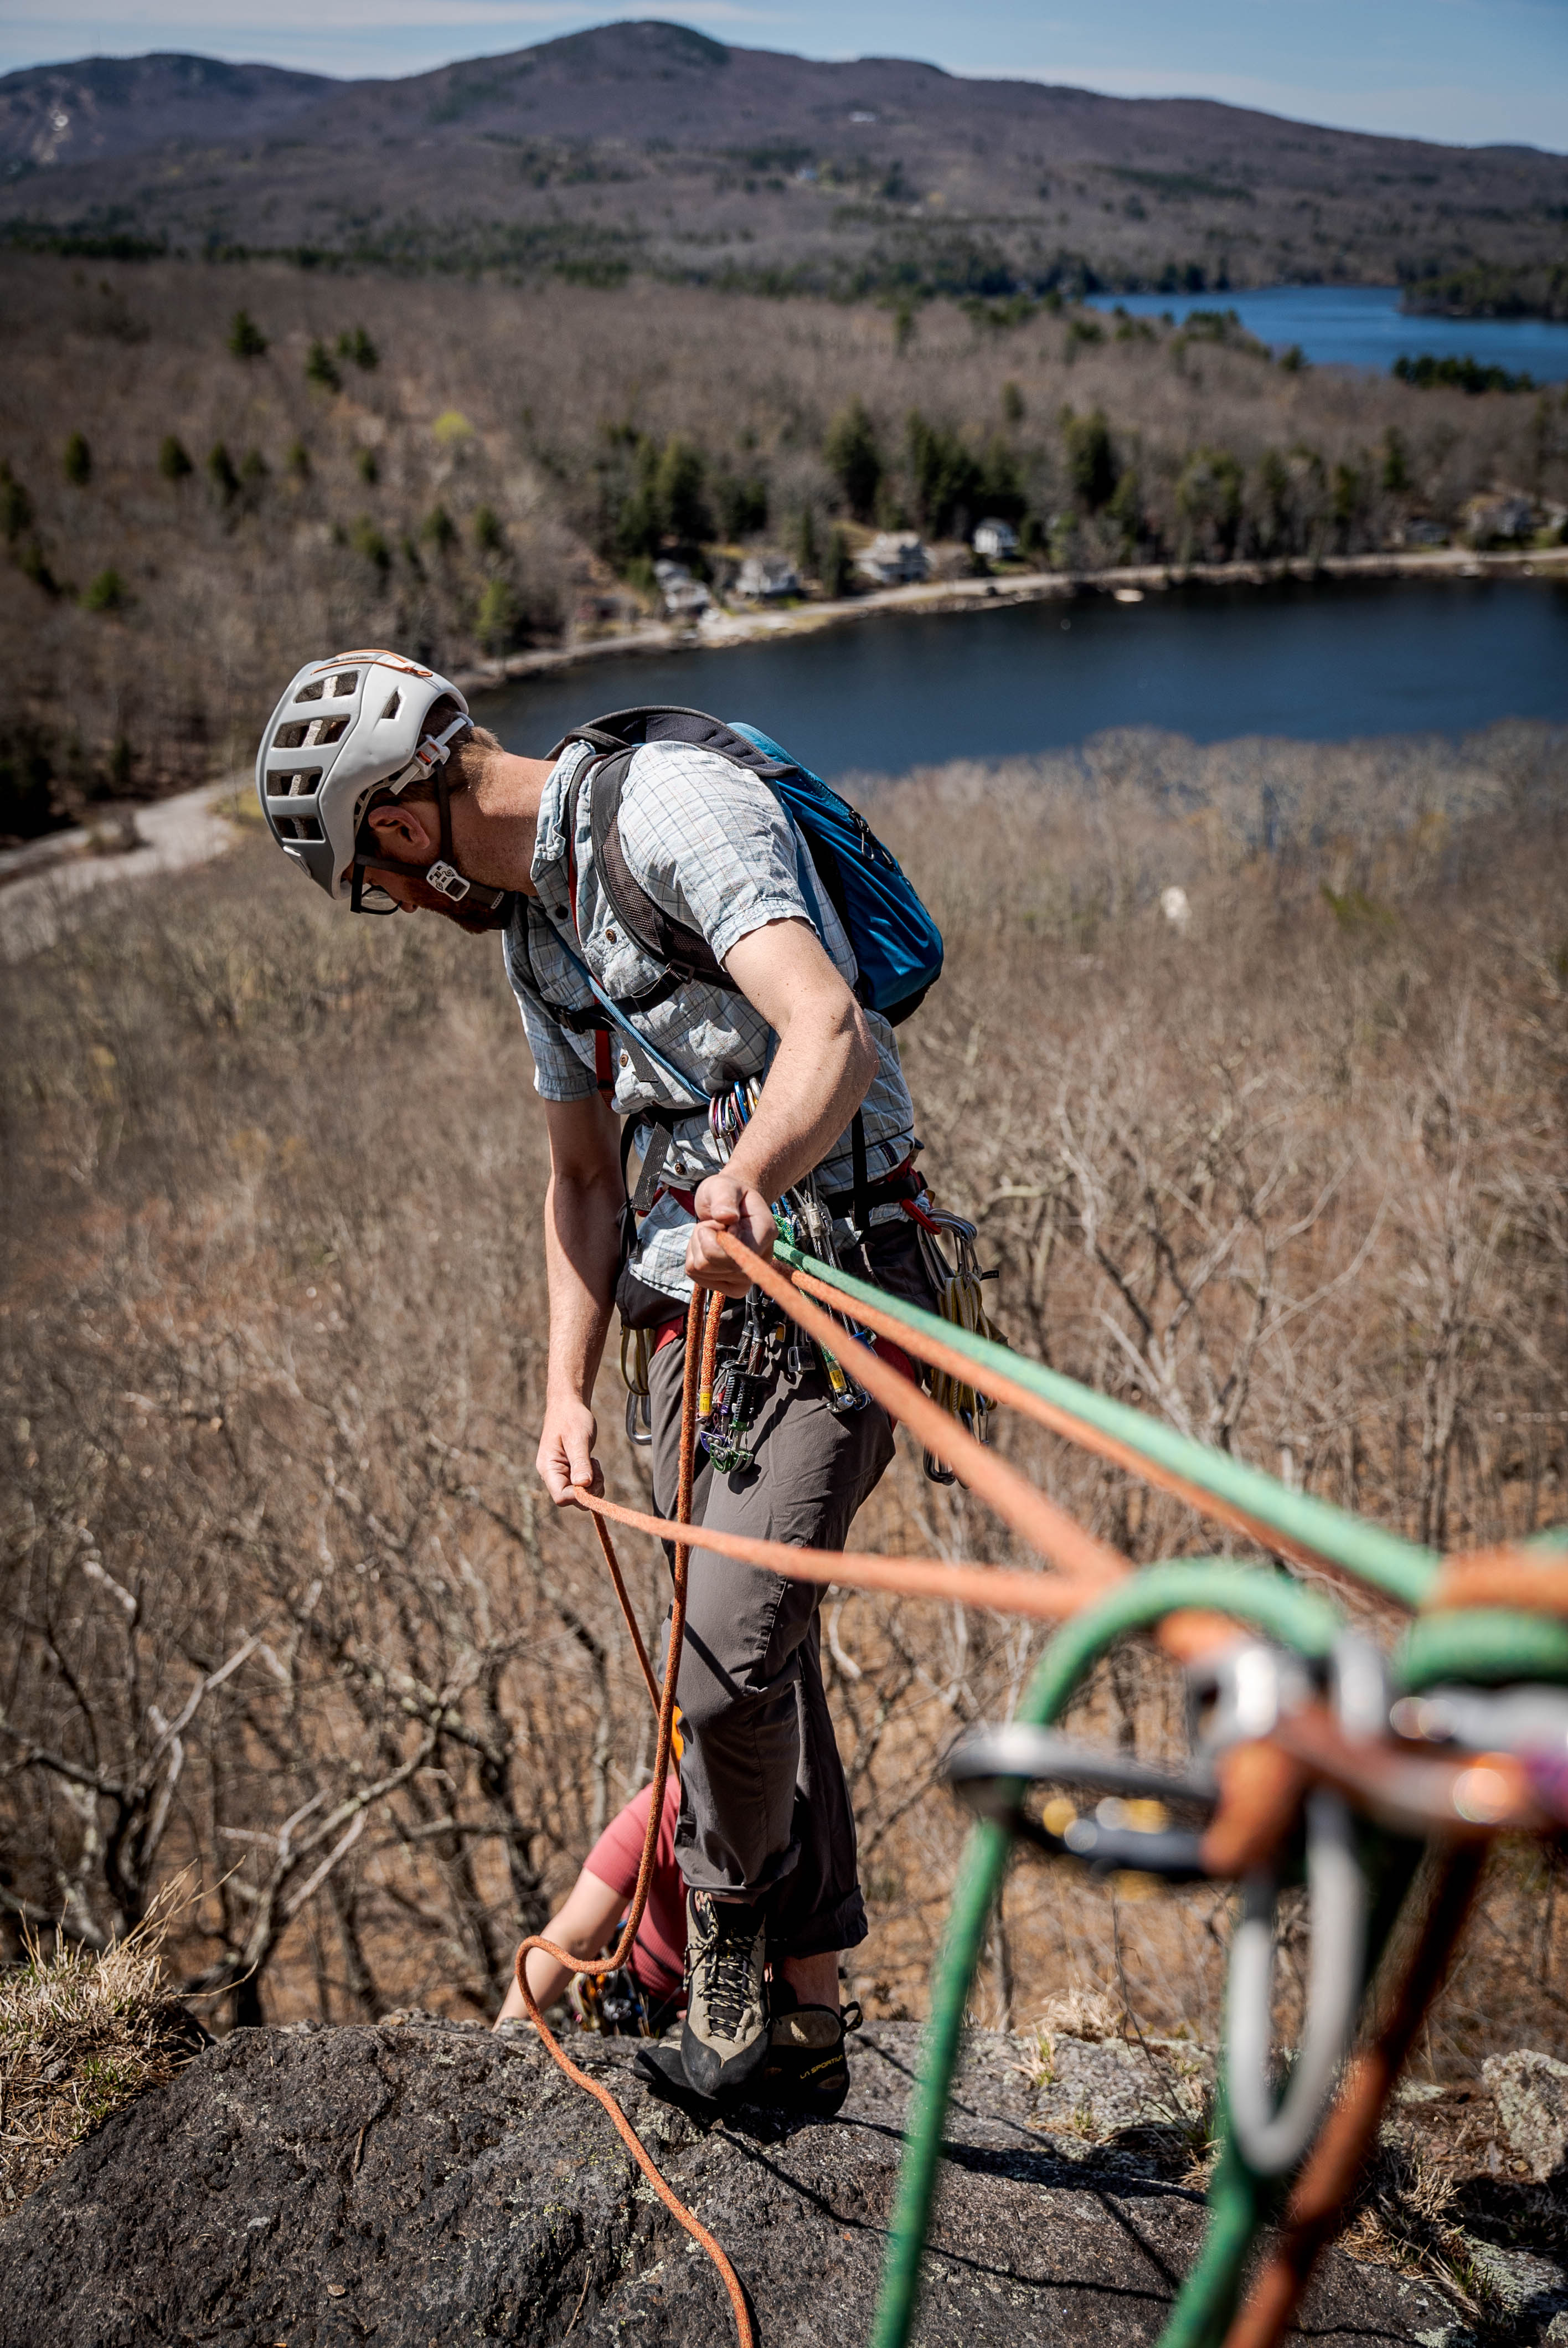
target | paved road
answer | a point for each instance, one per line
(40, 884)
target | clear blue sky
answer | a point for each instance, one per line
(1472, 71)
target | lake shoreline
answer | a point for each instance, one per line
(933, 597)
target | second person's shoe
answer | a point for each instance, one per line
(724, 2038)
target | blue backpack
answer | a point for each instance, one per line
(898, 947)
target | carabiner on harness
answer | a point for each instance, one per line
(807, 1221)
(956, 1279)
(636, 1356)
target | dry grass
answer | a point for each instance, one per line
(83, 2032)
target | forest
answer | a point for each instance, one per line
(209, 470)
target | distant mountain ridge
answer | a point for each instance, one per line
(99, 107)
(747, 165)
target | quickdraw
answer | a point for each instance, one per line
(960, 1299)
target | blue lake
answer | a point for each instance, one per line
(1364, 327)
(1320, 663)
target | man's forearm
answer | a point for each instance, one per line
(819, 1078)
(582, 1252)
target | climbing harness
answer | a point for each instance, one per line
(743, 1369)
(1384, 1782)
(618, 2007)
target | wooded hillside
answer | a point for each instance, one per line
(214, 472)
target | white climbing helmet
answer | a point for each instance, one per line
(346, 728)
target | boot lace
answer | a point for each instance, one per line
(727, 1981)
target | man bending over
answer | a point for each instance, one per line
(373, 777)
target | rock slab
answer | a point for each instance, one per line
(1531, 2092)
(423, 2184)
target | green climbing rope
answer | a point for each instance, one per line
(1482, 1645)
(1474, 1645)
(1402, 1568)
(1296, 1617)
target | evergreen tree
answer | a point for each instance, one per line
(15, 505)
(1396, 462)
(947, 477)
(172, 462)
(368, 542)
(678, 486)
(77, 463)
(498, 620)
(1208, 499)
(1090, 458)
(246, 340)
(220, 472)
(106, 592)
(320, 368)
(851, 457)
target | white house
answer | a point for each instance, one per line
(765, 578)
(895, 558)
(1504, 515)
(683, 595)
(996, 540)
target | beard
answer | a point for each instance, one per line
(481, 918)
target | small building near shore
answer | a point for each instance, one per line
(895, 558)
(683, 597)
(1503, 518)
(996, 540)
(767, 579)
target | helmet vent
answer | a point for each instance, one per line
(345, 682)
(290, 737)
(310, 692)
(328, 729)
(299, 826)
(298, 786)
(391, 709)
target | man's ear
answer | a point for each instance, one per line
(407, 829)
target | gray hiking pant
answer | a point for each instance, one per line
(763, 1803)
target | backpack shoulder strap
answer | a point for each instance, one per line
(521, 972)
(684, 952)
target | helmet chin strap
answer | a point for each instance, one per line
(471, 904)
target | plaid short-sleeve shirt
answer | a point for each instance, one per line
(713, 846)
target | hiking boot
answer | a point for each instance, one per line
(724, 2038)
(808, 2069)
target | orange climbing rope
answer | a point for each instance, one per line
(1261, 1784)
(600, 1966)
